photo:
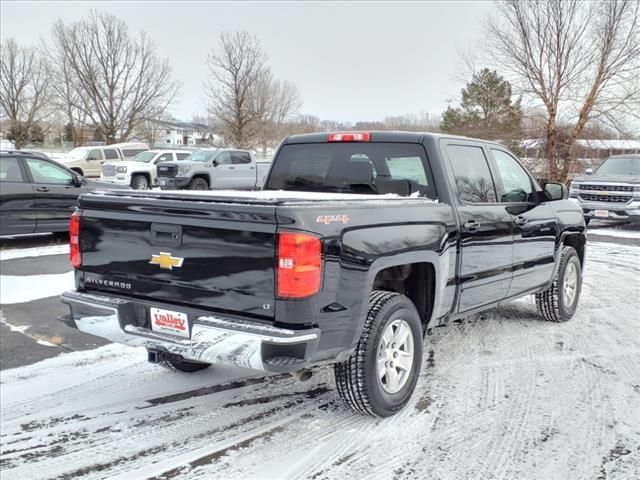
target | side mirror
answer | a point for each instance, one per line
(589, 171)
(556, 191)
(77, 181)
(215, 163)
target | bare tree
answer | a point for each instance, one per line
(64, 89)
(235, 68)
(580, 60)
(275, 103)
(24, 84)
(118, 77)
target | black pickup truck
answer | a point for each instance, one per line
(358, 244)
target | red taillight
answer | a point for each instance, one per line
(74, 240)
(299, 265)
(350, 137)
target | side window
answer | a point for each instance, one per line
(10, 170)
(45, 172)
(95, 155)
(223, 158)
(516, 183)
(165, 157)
(182, 156)
(240, 158)
(472, 174)
(111, 154)
(407, 168)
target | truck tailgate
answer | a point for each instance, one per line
(210, 254)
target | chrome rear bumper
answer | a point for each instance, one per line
(212, 339)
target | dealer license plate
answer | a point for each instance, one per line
(167, 321)
(601, 213)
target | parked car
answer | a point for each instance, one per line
(213, 169)
(37, 194)
(612, 192)
(87, 161)
(358, 245)
(140, 171)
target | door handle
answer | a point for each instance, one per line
(42, 189)
(232, 168)
(471, 225)
(521, 220)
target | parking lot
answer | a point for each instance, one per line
(501, 395)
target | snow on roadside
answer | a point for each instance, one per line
(503, 395)
(611, 232)
(26, 288)
(14, 253)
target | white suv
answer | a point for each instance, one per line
(140, 171)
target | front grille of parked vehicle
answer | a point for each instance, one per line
(591, 197)
(168, 170)
(606, 188)
(108, 170)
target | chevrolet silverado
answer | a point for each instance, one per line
(358, 244)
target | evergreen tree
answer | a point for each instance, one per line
(486, 109)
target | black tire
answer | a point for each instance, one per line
(78, 171)
(198, 184)
(357, 379)
(552, 303)
(140, 182)
(184, 366)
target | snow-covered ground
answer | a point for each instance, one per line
(504, 396)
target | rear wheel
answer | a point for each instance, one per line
(559, 302)
(140, 182)
(198, 184)
(184, 366)
(381, 374)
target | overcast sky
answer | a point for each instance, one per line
(351, 61)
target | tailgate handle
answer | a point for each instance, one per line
(166, 235)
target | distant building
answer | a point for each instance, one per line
(587, 149)
(184, 134)
(590, 153)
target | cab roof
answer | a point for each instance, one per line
(380, 136)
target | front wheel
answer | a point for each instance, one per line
(381, 374)
(559, 302)
(140, 182)
(198, 184)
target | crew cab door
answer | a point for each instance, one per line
(93, 163)
(486, 227)
(244, 170)
(56, 194)
(222, 171)
(17, 204)
(534, 223)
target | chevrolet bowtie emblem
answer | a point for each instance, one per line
(166, 261)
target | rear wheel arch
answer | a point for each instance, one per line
(77, 170)
(416, 281)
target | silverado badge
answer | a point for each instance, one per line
(166, 261)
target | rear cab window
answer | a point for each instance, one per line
(375, 168)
